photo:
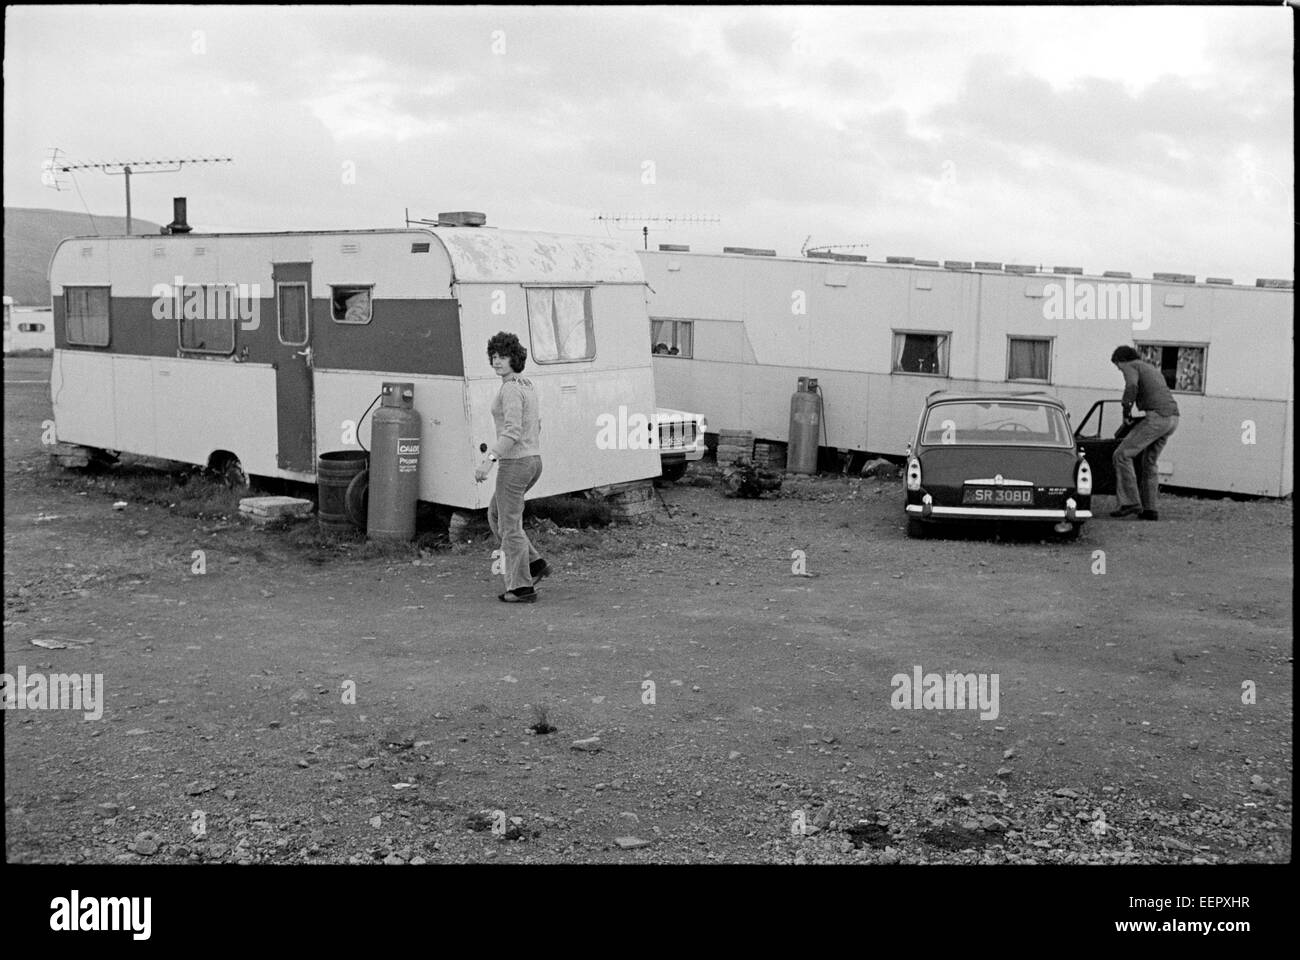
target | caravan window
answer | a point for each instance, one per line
(1183, 365)
(31, 328)
(351, 304)
(86, 315)
(924, 353)
(214, 330)
(291, 305)
(1029, 358)
(672, 338)
(559, 319)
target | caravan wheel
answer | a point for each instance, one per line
(227, 469)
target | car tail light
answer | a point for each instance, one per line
(1083, 478)
(914, 474)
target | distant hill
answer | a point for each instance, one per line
(31, 235)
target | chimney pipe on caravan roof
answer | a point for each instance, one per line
(178, 224)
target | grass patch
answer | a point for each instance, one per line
(570, 511)
(187, 492)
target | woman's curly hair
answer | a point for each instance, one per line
(507, 345)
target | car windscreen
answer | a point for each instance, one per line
(996, 422)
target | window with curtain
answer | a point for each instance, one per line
(925, 353)
(559, 321)
(86, 315)
(1029, 358)
(1183, 365)
(672, 338)
(350, 304)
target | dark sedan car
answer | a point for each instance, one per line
(996, 457)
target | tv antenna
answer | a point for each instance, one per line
(620, 218)
(118, 168)
(829, 247)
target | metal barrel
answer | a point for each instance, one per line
(334, 472)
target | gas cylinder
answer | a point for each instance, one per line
(805, 427)
(394, 465)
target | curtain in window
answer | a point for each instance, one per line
(1029, 360)
(900, 347)
(922, 353)
(1190, 369)
(685, 336)
(1150, 353)
(542, 326)
(356, 307)
(659, 335)
(571, 327)
(86, 316)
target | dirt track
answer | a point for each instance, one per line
(1119, 692)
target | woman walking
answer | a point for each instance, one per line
(517, 455)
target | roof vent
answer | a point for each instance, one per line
(926, 263)
(900, 259)
(750, 251)
(1174, 277)
(462, 218)
(956, 265)
(1118, 274)
(987, 265)
(1279, 284)
(1020, 268)
(1226, 281)
(675, 247)
(1077, 271)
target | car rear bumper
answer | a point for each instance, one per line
(927, 512)
(674, 454)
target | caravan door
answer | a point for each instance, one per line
(293, 366)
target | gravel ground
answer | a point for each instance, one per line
(310, 701)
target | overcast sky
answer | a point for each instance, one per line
(1151, 139)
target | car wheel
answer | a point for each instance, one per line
(917, 529)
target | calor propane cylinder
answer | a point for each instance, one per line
(394, 465)
(805, 427)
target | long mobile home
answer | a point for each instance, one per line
(27, 329)
(740, 328)
(269, 347)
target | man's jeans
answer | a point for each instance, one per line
(506, 517)
(1146, 439)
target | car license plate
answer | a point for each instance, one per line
(999, 496)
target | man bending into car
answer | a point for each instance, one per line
(1145, 386)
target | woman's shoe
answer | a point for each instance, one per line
(522, 595)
